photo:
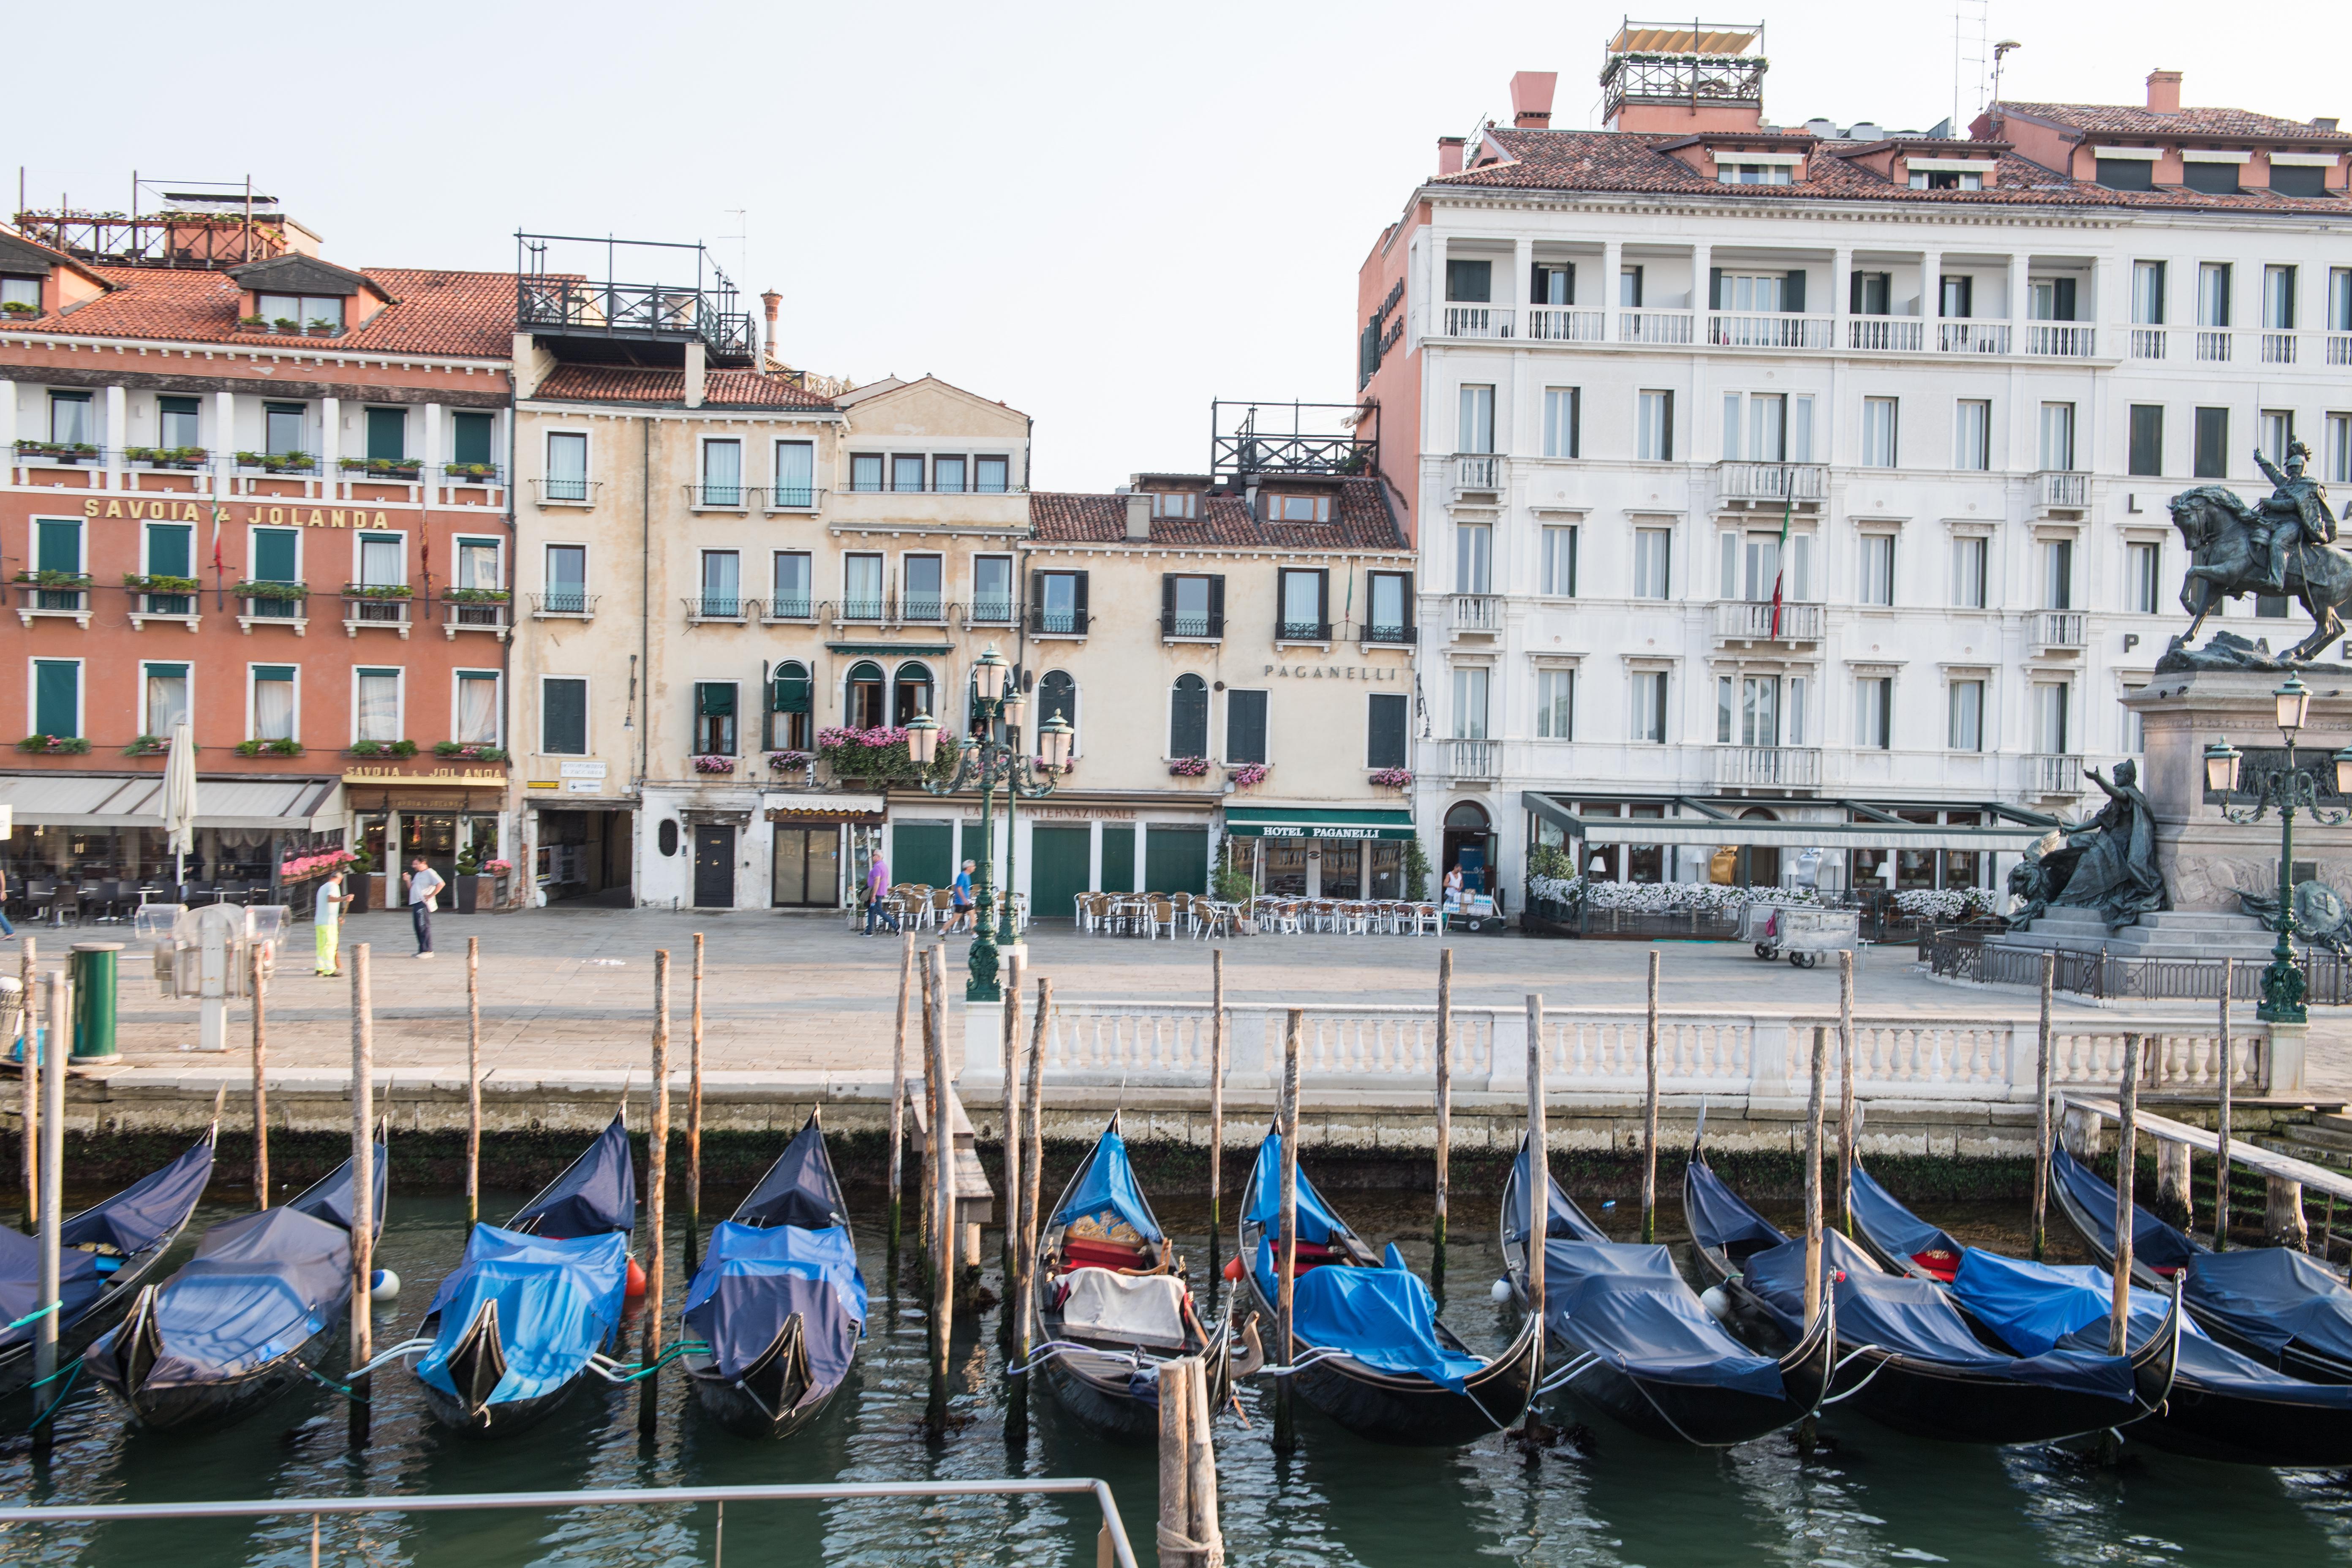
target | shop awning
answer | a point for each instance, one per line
(1283, 822)
(816, 810)
(64, 800)
(2012, 830)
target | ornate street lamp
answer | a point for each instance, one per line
(2288, 790)
(995, 756)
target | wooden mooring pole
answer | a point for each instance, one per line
(363, 1188)
(1033, 1162)
(53, 1208)
(1009, 1135)
(657, 1190)
(1218, 1025)
(2041, 1108)
(1444, 1148)
(260, 1078)
(2221, 1124)
(694, 1120)
(938, 1170)
(1189, 1536)
(1649, 1113)
(1539, 1199)
(2126, 1167)
(1285, 1262)
(1808, 1429)
(1849, 1112)
(29, 1065)
(473, 1082)
(898, 1092)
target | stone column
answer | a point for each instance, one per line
(330, 444)
(1840, 296)
(1931, 296)
(1609, 290)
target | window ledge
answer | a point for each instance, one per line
(300, 624)
(546, 501)
(551, 615)
(1318, 646)
(78, 617)
(1167, 638)
(139, 620)
(353, 626)
(1058, 636)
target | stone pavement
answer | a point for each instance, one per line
(573, 989)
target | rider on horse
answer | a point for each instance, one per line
(2295, 513)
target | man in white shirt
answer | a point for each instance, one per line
(423, 883)
(328, 922)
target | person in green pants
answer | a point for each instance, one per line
(326, 922)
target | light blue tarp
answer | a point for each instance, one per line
(2033, 1306)
(559, 1302)
(1316, 1223)
(1625, 1304)
(822, 1254)
(1109, 1185)
(1382, 1317)
(2273, 1297)
(257, 1288)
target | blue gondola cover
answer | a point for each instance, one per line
(799, 1188)
(596, 1195)
(2272, 1296)
(558, 1303)
(2155, 1244)
(147, 1210)
(79, 1283)
(1316, 1223)
(257, 1288)
(753, 1251)
(2034, 1306)
(1566, 1219)
(1384, 1318)
(1625, 1304)
(1894, 1227)
(1721, 1217)
(1109, 1185)
(330, 1199)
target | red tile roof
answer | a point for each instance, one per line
(657, 384)
(1364, 523)
(433, 312)
(1631, 161)
(2131, 119)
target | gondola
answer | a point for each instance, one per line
(1113, 1302)
(1641, 1344)
(264, 1298)
(1906, 1357)
(779, 1301)
(518, 1323)
(1368, 1348)
(2276, 1306)
(109, 1251)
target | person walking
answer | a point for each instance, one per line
(8, 931)
(423, 884)
(959, 898)
(326, 923)
(877, 894)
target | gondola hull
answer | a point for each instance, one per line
(122, 1291)
(773, 1398)
(196, 1408)
(1677, 1412)
(502, 1419)
(1103, 1402)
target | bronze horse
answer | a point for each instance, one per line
(2226, 562)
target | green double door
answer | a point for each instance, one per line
(1176, 859)
(1058, 860)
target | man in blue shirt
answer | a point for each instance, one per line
(961, 898)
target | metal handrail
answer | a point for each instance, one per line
(604, 1497)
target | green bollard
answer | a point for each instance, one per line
(94, 965)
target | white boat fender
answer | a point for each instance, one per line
(383, 1285)
(1718, 1304)
(1501, 1293)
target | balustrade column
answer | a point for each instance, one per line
(331, 445)
(1840, 296)
(1931, 299)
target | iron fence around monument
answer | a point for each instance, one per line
(1951, 954)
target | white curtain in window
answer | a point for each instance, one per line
(379, 707)
(478, 564)
(477, 710)
(167, 697)
(273, 710)
(1478, 422)
(2058, 435)
(379, 562)
(1470, 702)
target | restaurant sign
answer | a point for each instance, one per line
(275, 516)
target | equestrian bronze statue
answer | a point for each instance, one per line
(2282, 545)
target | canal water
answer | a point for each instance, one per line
(1605, 1498)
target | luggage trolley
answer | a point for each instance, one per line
(1802, 932)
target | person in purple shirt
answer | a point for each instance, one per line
(877, 895)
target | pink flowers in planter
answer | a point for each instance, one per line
(498, 867)
(713, 764)
(790, 761)
(1189, 767)
(1393, 778)
(1248, 774)
(319, 865)
(879, 736)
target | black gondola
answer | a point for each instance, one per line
(2277, 1307)
(518, 1323)
(109, 1251)
(1466, 1395)
(779, 1301)
(1641, 1344)
(1906, 1357)
(1113, 1301)
(264, 1297)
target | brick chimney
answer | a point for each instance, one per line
(1449, 154)
(775, 301)
(2164, 93)
(1531, 100)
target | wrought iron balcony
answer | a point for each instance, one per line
(1302, 631)
(564, 603)
(1396, 636)
(1247, 438)
(566, 491)
(604, 317)
(1201, 627)
(1045, 621)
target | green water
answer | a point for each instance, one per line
(1606, 1498)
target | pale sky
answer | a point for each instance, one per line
(1103, 215)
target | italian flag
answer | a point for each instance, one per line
(1780, 564)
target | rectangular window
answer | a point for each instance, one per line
(478, 564)
(2058, 437)
(383, 561)
(1972, 435)
(1474, 557)
(991, 587)
(1059, 601)
(2050, 731)
(1957, 296)
(1629, 288)
(1948, 179)
(2147, 293)
(714, 718)
(1873, 713)
(1387, 741)
(1304, 596)
(478, 708)
(1176, 503)
(2126, 173)
(2051, 298)
(1760, 711)
(948, 475)
(1968, 573)
(1474, 430)
(1469, 282)
(2339, 450)
(1296, 507)
(282, 428)
(276, 558)
(1558, 575)
(1552, 283)
(473, 439)
(1470, 681)
(866, 470)
(2143, 578)
(1654, 427)
(1870, 293)
(861, 587)
(2057, 573)
(2297, 179)
(1878, 432)
(1555, 704)
(1749, 294)
(925, 597)
(795, 473)
(170, 547)
(793, 585)
(1767, 427)
(567, 579)
(2213, 294)
(25, 291)
(293, 311)
(1244, 726)
(1389, 603)
(387, 434)
(1754, 174)
(563, 716)
(2147, 455)
(2213, 179)
(375, 713)
(179, 423)
(2213, 454)
(2278, 299)
(70, 420)
(164, 696)
(1966, 729)
(1192, 607)
(1652, 563)
(722, 473)
(1650, 706)
(992, 476)
(1877, 559)
(2339, 298)
(722, 583)
(272, 700)
(905, 471)
(1563, 425)
(2276, 433)
(567, 465)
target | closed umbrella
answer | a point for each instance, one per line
(180, 801)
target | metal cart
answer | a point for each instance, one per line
(1800, 931)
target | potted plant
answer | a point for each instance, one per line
(285, 324)
(714, 765)
(159, 582)
(477, 595)
(252, 588)
(19, 308)
(1188, 767)
(1249, 775)
(320, 327)
(257, 323)
(478, 472)
(61, 581)
(469, 751)
(279, 748)
(376, 591)
(362, 882)
(382, 748)
(1392, 778)
(53, 745)
(469, 879)
(148, 746)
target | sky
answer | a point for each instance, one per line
(1102, 216)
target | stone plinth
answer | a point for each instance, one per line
(2160, 933)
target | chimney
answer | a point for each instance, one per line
(773, 301)
(1531, 100)
(692, 381)
(1449, 154)
(2164, 93)
(1139, 517)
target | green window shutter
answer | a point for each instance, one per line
(792, 694)
(387, 433)
(563, 717)
(1176, 859)
(170, 546)
(58, 546)
(471, 438)
(286, 672)
(975, 850)
(1385, 747)
(275, 552)
(1244, 726)
(714, 699)
(1792, 300)
(56, 696)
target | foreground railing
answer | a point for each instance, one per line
(1112, 1541)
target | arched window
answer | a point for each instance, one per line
(789, 700)
(1057, 697)
(1187, 718)
(911, 693)
(864, 709)
(1467, 816)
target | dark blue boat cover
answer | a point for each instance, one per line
(1624, 1303)
(2273, 1297)
(799, 1188)
(558, 1301)
(1721, 1218)
(330, 1198)
(743, 1313)
(1382, 1317)
(79, 1283)
(1108, 1186)
(825, 1255)
(1316, 1223)
(257, 1289)
(1565, 1219)
(596, 1195)
(1895, 1229)
(146, 1211)
(2155, 1244)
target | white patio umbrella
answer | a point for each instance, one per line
(180, 801)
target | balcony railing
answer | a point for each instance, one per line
(565, 490)
(1302, 631)
(794, 498)
(1476, 613)
(2061, 340)
(2059, 628)
(791, 608)
(2339, 348)
(2213, 346)
(564, 603)
(1482, 471)
(721, 498)
(1773, 482)
(174, 605)
(1173, 624)
(1478, 322)
(2060, 488)
(1749, 620)
(2052, 775)
(2278, 348)
(2148, 343)
(1972, 337)
(1402, 636)
(1654, 326)
(1474, 759)
(926, 609)
(1767, 767)
(1892, 335)
(1048, 622)
(1563, 325)
(726, 607)
(365, 611)
(991, 612)
(1772, 331)
(476, 615)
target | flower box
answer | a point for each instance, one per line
(58, 451)
(790, 761)
(272, 591)
(168, 456)
(1249, 775)
(480, 473)
(16, 308)
(709, 765)
(1392, 778)
(383, 467)
(159, 582)
(382, 748)
(377, 591)
(54, 745)
(66, 581)
(279, 462)
(477, 595)
(469, 751)
(302, 867)
(148, 746)
(1188, 767)
(269, 748)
